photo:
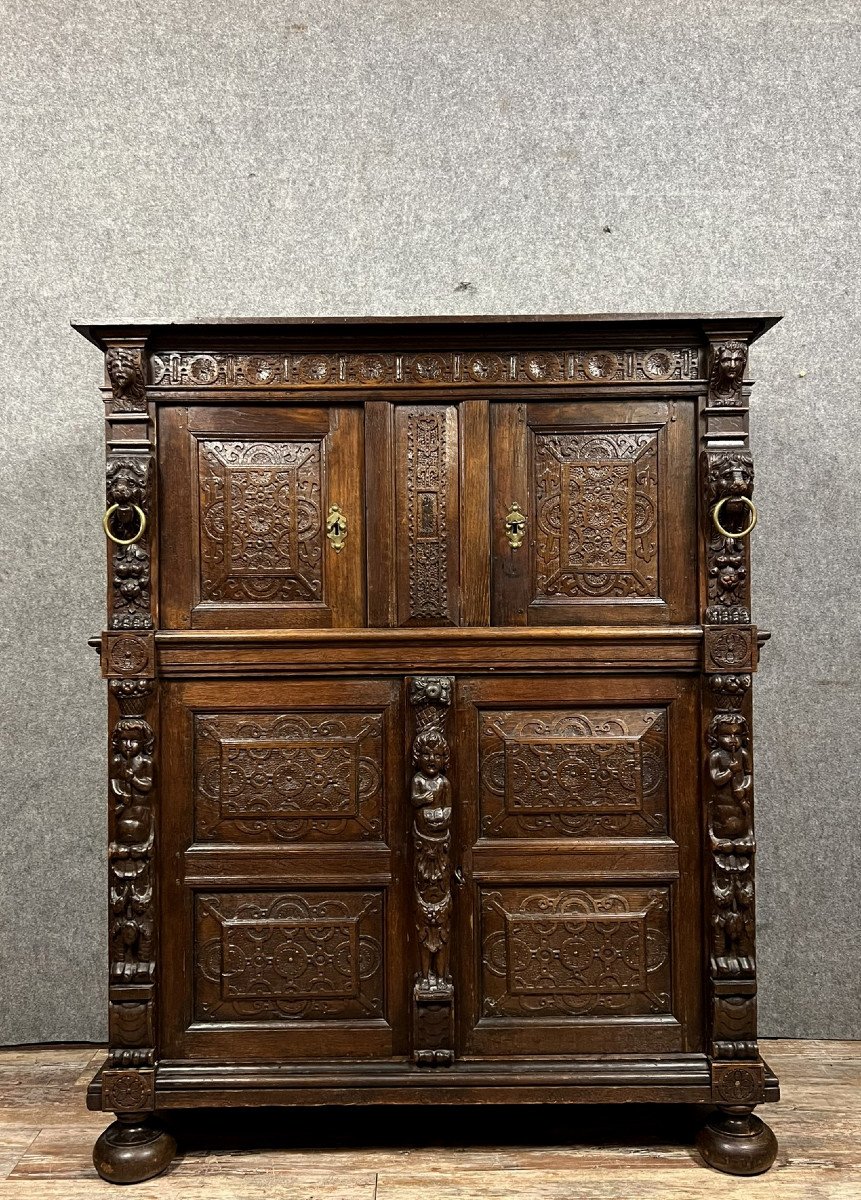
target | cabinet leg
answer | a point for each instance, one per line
(133, 1149)
(735, 1141)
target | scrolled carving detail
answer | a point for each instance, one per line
(430, 795)
(126, 375)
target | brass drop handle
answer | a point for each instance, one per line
(336, 527)
(743, 532)
(515, 526)
(459, 877)
(123, 541)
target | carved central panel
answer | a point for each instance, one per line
(261, 521)
(597, 515)
(595, 772)
(427, 512)
(314, 955)
(574, 953)
(268, 776)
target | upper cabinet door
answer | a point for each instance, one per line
(262, 519)
(592, 513)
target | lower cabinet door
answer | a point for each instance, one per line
(579, 833)
(281, 891)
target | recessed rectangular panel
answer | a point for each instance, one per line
(587, 772)
(596, 504)
(575, 952)
(261, 521)
(288, 956)
(288, 776)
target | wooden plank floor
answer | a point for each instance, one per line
(478, 1153)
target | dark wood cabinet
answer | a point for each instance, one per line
(429, 652)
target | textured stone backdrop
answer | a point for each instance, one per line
(183, 159)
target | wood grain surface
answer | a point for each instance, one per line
(479, 1153)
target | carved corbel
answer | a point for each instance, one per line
(728, 360)
(430, 795)
(125, 371)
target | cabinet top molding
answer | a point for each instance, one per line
(427, 331)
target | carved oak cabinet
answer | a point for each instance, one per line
(429, 652)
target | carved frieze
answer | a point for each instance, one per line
(472, 368)
(729, 478)
(125, 372)
(430, 795)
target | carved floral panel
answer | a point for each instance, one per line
(261, 521)
(288, 777)
(596, 499)
(315, 955)
(597, 772)
(566, 952)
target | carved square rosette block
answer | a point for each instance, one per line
(128, 1091)
(730, 648)
(738, 1083)
(128, 655)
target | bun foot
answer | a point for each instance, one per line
(132, 1150)
(735, 1141)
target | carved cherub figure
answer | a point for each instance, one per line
(729, 770)
(431, 791)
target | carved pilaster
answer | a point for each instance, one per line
(128, 492)
(131, 877)
(430, 794)
(729, 482)
(732, 958)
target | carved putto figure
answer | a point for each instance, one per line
(131, 767)
(127, 380)
(729, 770)
(728, 364)
(431, 798)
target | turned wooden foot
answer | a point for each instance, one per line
(133, 1149)
(735, 1141)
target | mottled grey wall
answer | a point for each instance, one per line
(255, 158)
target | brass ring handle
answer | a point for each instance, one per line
(123, 541)
(727, 532)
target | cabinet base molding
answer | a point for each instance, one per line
(685, 1079)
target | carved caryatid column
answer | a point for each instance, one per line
(131, 1149)
(734, 1140)
(430, 795)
